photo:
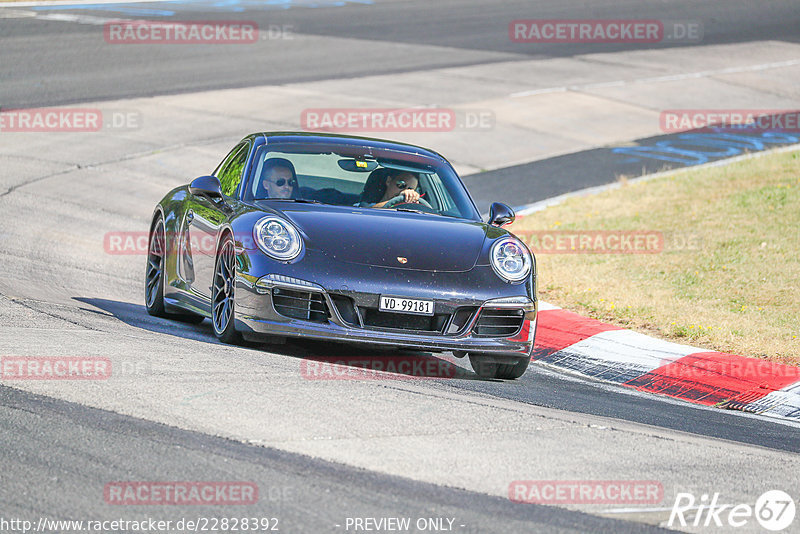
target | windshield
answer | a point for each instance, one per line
(358, 177)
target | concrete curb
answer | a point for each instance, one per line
(613, 354)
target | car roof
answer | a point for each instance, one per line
(348, 140)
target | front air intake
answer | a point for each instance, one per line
(304, 305)
(499, 323)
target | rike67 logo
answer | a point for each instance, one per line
(774, 510)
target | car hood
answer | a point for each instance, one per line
(385, 238)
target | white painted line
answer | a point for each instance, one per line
(659, 79)
(718, 72)
(13, 14)
(540, 205)
(80, 19)
(544, 306)
(527, 209)
(532, 92)
(78, 3)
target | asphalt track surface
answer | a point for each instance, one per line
(52, 450)
(56, 448)
(52, 63)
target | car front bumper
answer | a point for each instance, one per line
(256, 316)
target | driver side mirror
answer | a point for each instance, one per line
(500, 215)
(207, 186)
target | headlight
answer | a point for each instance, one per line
(510, 259)
(277, 238)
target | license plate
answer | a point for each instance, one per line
(403, 305)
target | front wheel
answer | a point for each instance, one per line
(222, 295)
(488, 366)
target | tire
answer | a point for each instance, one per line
(486, 366)
(222, 294)
(155, 274)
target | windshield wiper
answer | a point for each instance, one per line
(411, 210)
(300, 200)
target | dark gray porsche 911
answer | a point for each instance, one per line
(346, 239)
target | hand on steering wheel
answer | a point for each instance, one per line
(410, 196)
(403, 197)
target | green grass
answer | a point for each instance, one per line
(728, 278)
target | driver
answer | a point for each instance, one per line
(279, 178)
(400, 189)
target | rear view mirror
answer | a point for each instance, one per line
(500, 215)
(358, 165)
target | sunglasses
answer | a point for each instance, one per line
(401, 185)
(282, 181)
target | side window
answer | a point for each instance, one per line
(230, 172)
